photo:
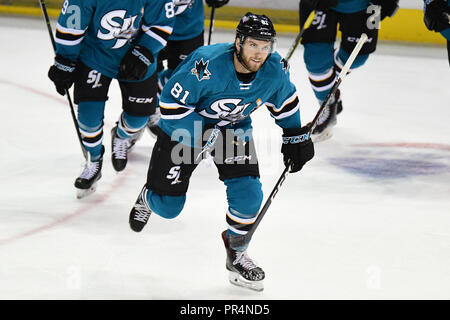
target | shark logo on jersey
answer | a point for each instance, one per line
(227, 109)
(201, 70)
(285, 64)
(122, 32)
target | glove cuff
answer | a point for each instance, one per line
(64, 64)
(296, 135)
(287, 132)
(145, 55)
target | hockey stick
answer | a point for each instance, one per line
(211, 23)
(69, 99)
(300, 35)
(240, 241)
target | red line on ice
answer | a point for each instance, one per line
(99, 198)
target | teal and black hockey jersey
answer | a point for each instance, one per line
(204, 89)
(190, 21)
(351, 6)
(100, 32)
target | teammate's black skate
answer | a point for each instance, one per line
(243, 271)
(152, 124)
(87, 181)
(327, 119)
(120, 148)
(140, 213)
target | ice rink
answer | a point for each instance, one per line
(367, 218)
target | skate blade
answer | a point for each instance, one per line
(83, 193)
(324, 135)
(237, 280)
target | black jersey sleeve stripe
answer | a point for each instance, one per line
(289, 106)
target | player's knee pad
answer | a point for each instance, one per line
(342, 57)
(318, 57)
(244, 195)
(167, 207)
(90, 114)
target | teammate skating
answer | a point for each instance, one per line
(101, 40)
(322, 61)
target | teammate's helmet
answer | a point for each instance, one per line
(256, 26)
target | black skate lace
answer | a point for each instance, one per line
(244, 260)
(120, 147)
(90, 169)
(142, 212)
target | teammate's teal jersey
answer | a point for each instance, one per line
(100, 32)
(351, 6)
(190, 21)
(205, 89)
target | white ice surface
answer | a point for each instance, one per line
(367, 218)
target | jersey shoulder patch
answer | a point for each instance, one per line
(278, 64)
(207, 61)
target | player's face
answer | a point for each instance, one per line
(254, 53)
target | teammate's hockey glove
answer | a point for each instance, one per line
(135, 63)
(437, 15)
(319, 5)
(216, 3)
(62, 74)
(297, 148)
(388, 7)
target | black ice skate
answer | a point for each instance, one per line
(86, 183)
(327, 119)
(120, 148)
(152, 124)
(141, 212)
(243, 271)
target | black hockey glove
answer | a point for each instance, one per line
(297, 147)
(437, 15)
(135, 63)
(62, 74)
(388, 7)
(319, 5)
(216, 3)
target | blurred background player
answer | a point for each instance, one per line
(100, 40)
(437, 18)
(218, 86)
(322, 61)
(187, 35)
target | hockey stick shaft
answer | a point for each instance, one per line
(341, 77)
(280, 181)
(69, 99)
(300, 35)
(211, 24)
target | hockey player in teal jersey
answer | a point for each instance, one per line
(214, 91)
(437, 18)
(322, 61)
(187, 35)
(101, 40)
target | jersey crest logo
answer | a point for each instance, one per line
(227, 109)
(201, 70)
(285, 65)
(122, 32)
